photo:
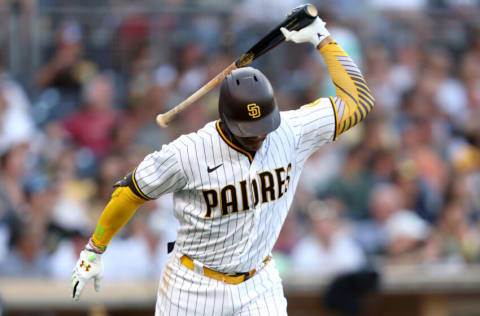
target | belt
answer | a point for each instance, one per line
(229, 278)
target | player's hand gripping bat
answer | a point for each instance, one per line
(297, 19)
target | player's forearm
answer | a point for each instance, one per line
(116, 214)
(354, 99)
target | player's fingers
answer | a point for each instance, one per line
(77, 289)
(288, 34)
(74, 286)
(294, 36)
(96, 283)
(73, 281)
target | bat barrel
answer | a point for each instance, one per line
(297, 19)
(300, 17)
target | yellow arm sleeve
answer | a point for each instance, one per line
(116, 214)
(354, 99)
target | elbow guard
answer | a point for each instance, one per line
(129, 181)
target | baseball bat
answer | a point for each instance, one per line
(296, 19)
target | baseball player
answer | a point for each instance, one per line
(233, 182)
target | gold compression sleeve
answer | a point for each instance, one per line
(116, 214)
(354, 99)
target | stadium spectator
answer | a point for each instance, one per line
(353, 184)
(13, 171)
(454, 240)
(27, 257)
(67, 69)
(391, 229)
(16, 121)
(93, 126)
(328, 250)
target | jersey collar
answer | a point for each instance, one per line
(232, 145)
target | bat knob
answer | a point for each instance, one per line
(311, 10)
(308, 9)
(161, 121)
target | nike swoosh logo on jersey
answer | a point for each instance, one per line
(213, 169)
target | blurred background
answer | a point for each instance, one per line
(385, 221)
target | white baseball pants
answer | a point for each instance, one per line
(185, 292)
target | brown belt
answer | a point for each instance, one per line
(229, 278)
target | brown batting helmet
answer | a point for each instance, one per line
(247, 104)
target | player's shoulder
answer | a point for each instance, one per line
(306, 109)
(294, 121)
(196, 138)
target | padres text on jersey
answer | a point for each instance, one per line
(231, 205)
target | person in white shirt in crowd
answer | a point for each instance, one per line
(391, 228)
(328, 249)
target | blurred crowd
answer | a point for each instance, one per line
(400, 188)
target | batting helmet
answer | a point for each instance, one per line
(247, 104)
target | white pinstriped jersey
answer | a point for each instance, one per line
(231, 206)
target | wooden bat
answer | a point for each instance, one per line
(297, 19)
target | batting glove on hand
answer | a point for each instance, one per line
(89, 266)
(313, 33)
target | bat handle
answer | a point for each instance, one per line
(165, 118)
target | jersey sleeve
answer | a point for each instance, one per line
(354, 100)
(313, 125)
(159, 173)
